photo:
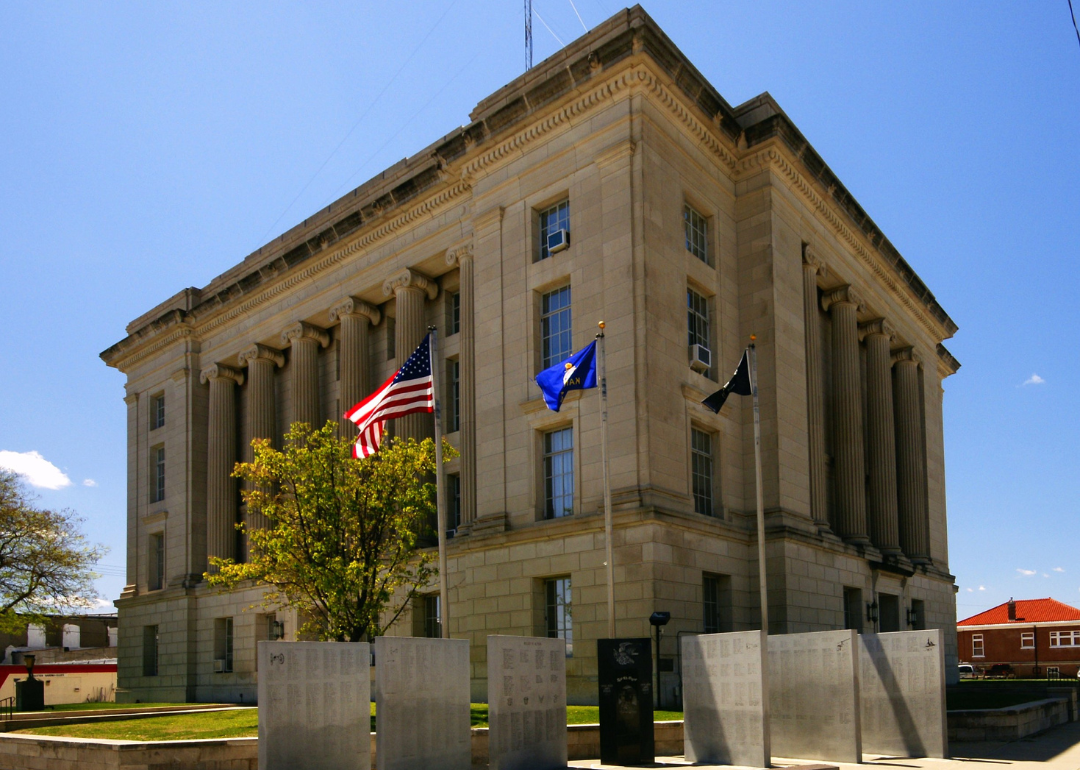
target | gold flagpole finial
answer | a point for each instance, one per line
(601, 324)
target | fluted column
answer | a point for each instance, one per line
(220, 459)
(910, 462)
(357, 317)
(462, 256)
(261, 361)
(305, 340)
(410, 288)
(815, 390)
(880, 437)
(850, 485)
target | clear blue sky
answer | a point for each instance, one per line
(146, 148)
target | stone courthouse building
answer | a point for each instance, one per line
(691, 225)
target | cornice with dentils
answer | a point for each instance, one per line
(669, 87)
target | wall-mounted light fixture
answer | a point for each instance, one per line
(277, 630)
(872, 612)
(912, 617)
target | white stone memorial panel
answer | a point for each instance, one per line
(422, 704)
(902, 692)
(314, 706)
(526, 703)
(814, 696)
(725, 709)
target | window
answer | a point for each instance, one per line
(1053, 672)
(716, 603)
(453, 383)
(552, 220)
(157, 411)
(1027, 640)
(1065, 638)
(917, 621)
(697, 233)
(697, 319)
(557, 612)
(888, 613)
(555, 327)
(157, 486)
(455, 312)
(453, 495)
(150, 651)
(977, 650)
(558, 473)
(223, 645)
(156, 578)
(432, 617)
(853, 609)
(701, 471)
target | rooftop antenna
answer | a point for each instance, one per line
(528, 35)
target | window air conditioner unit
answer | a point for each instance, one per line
(219, 665)
(558, 241)
(700, 358)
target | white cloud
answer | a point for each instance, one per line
(1034, 379)
(1046, 574)
(89, 483)
(38, 471)
(1059, 569)
(971, 590)
(1025, 572)
(982, 588)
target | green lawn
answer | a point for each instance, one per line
(245, 723)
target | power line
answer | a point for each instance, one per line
(548, 28)
(1073, 14)
(357, 123)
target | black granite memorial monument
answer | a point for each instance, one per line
(626, 703)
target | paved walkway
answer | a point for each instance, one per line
(1056, 749)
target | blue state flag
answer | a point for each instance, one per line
(575, 373)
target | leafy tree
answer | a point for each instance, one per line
(45, 561)
(341, 541)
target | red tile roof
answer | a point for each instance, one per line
(1027, 611)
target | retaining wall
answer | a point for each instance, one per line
(1011, 723)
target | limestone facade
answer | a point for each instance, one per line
(623, 129)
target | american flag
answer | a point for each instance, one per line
(408, 391)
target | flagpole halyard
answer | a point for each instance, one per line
(440, 505)
(760, 501)
(609, 554)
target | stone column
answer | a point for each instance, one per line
(880, 437)
(220, 459)
(261, 362)
(462, 256)
(134, 493)
(815, 390)
(357, 317)
(849, 485)
(410, 288)
(305, 340)
(910, 462)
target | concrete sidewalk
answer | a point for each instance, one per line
(1055, 749)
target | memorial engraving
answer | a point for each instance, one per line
(902, 694)
(725, 712)
(422, 704)
(626, 701)
(314, 705)
(814, 696)
(526, 703)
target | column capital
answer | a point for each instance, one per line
(812, 258)
(221, 372)
(302, 330)
(906, 354)
(410, 279)
(131, 398)
(842, 295)
(877, 326)
(456, 254)
(259, 352)
(355, 306)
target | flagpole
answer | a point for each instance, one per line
(760, 502)
(440, 505)
(610, 559)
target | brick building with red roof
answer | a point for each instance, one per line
(1034, 637)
